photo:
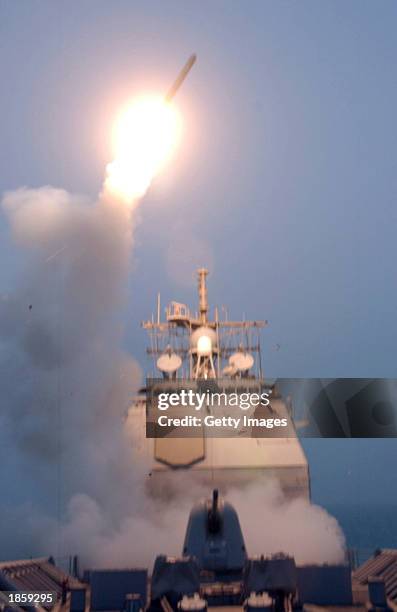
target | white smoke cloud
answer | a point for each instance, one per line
(273, 524)
(269, 522)
(65, 381)
(66, 384)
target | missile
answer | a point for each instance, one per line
(180, 78)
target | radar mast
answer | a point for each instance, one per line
(207, 348)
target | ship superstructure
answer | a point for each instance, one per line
(189, 348)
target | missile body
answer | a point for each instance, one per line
(180, 78)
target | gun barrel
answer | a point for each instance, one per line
(180, 78)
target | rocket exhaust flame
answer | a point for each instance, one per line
(146, 134)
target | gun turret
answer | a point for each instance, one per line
(214, 537)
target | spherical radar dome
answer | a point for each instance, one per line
(203, 341)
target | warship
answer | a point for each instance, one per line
(214, 569)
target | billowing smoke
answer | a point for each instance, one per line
(66, 384)
(65, 381)
(270, 524)
(146, 528)
(274, 524)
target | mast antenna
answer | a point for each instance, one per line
(202, 289)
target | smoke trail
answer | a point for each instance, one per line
(65, 381)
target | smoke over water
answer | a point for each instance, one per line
(72, 480)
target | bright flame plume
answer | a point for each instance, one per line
(145, 136)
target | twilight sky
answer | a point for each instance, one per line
(284, 184)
